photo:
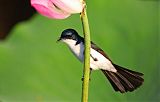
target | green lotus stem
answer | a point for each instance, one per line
(86, 70)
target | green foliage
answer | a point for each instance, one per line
(34, 68)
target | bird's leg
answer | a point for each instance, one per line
(89, 75)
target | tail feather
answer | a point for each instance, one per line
(114, 81)
(124, 79)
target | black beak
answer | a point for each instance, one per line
(58, 40)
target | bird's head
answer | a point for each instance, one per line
(69, 35)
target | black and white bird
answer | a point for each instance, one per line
(121, 79)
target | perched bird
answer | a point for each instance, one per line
(121, 79)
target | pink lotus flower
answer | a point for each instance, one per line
(57, 9)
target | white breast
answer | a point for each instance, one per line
(78, 51)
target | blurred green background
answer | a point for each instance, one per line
(34, 68)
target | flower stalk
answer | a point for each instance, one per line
(86, 70)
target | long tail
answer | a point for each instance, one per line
(124, 79)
